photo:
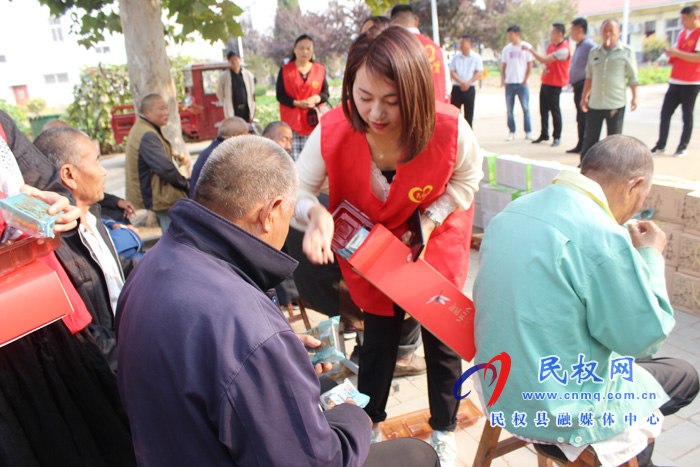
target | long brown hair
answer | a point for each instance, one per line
(397, 55)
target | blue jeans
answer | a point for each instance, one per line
(523, 93)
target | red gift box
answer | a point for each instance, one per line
(32, 297)
(417, 288)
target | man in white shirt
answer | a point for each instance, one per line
(466, 69)
(515, 72)
(87, 253)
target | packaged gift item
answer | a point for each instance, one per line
(28, 214)
(341, 393)
(329, 351)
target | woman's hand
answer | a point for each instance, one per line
(427, 226)
(318, 236)
(68, 220)
(313, 101)
(303, 104)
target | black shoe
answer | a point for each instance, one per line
(540, 139)
(556, 142)
(574, 150)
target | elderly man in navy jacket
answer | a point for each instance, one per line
(210, 371)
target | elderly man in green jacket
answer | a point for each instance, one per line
(574, 296)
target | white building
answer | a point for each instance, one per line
(40, 57)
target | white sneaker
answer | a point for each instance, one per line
(510, 137)
(528, 136)
(680, 153)
(657, 151)
(446, 447)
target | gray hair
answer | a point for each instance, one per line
(272, 127)
(58, 144)
(243, 172)
(233, 126)
(618, 158)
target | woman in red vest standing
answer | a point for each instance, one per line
(301, 89)
(391, 149)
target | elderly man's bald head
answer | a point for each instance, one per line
(623, 166)
(233, 126)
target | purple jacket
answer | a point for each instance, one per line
(210, 373)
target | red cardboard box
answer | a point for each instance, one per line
(417, 288)
(32, 297)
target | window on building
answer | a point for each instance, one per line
(673, 28)
(102, 50)
(3, 59)
(56, 31)
(649, 28)
(56, 78)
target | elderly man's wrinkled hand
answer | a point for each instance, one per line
(647, 233)
(312, 342)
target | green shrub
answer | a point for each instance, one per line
(18, 115)
(653, 47)
(653, 75)
(100, 88)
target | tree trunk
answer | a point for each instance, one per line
(148, 62)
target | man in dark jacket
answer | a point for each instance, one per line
(87, 253)
(210, 371)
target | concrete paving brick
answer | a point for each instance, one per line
(692, 459)
(678, 441)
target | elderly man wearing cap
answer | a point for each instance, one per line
(236, 90)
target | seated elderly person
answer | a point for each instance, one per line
(573, 296)
(210, 371)
(230, 127)
(281, 133)
(87, 252)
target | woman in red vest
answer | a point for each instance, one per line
(391, 149)
(301, 89)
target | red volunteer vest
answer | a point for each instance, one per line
(559, 69)
(297, 89)
(437, 65)
(417, 183)
(683, 69)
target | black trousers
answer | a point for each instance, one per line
(614, 119)
(549, 103)
(683, 95)
(402, 452)
(580, 114)
(679, 380)
(466, 98)
(377, 361)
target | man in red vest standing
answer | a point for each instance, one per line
(684, 84)
(403, 15)
(555, 76)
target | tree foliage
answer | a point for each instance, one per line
(213, 19)
(535, 18)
